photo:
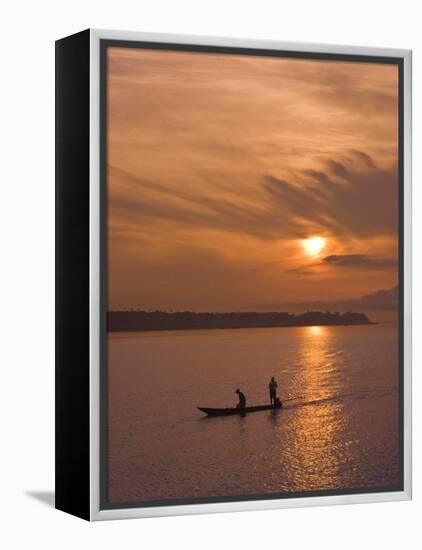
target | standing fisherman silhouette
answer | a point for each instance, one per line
(272, 386)
(242, 400)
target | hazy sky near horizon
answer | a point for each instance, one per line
(220, 166)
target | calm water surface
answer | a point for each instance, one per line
(338, 429)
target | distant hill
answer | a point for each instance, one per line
(380, 304)
(187, 320)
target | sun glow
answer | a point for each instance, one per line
(314, 245)
(315, 330)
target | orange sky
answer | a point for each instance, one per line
(219, 166)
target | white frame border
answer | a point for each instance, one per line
(139, 512)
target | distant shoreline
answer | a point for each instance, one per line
(128, 321)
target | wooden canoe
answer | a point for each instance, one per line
(235, 410)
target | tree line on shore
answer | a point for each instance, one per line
(133, 320)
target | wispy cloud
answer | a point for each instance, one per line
(342, 196)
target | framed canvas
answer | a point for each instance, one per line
(233, 274)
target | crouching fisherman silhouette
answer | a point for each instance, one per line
(242, 400)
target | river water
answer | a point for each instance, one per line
(338, 428)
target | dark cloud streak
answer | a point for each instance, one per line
(360, 261)
(351, 200)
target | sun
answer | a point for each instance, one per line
(313, 246)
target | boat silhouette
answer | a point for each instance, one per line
(238, 410)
